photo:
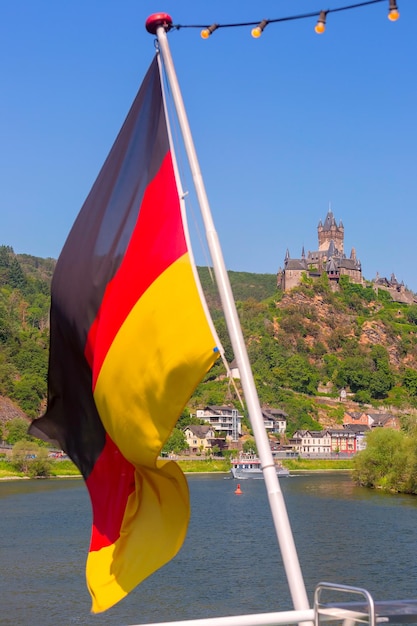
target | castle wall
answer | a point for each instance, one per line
(354, 275)
(292, 278)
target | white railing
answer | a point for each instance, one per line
(350, 613)
(257, 619)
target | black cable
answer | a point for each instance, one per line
(282, 19)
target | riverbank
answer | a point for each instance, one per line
(66, 469)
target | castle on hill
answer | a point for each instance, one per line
(331, 259)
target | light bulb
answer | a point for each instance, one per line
(393, 13)
(206, 32)
(258, 30)
(320, 27)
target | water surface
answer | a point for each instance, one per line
(230, 562)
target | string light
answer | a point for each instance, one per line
(393, 13)
(258, 27)
(258, 30)
(206, 32)
(320, 27)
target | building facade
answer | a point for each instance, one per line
(223, 419)
(312, 442)
(198, 437)
(275, 421)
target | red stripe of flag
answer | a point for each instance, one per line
(157, 241)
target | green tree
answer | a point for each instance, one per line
(249, 446)
(16, 275)
(28, 457)
(17, 430)
(40, 466)
(330, 365)
(384, 462)
(5, 256)
(7, 375)
(354, 372)
(410, 381)
(29, 391)
(176, 443)
(382, 379)
(300, 375)
(412, 314)
(186, 419)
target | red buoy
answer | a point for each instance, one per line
(238, 491)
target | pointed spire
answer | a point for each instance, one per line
(329, 221)
(331, 266)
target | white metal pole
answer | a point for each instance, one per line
(283, 618)
(276, 500)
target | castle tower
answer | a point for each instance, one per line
(330, 231)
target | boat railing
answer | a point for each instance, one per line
(339, 610)
(330, 607)
(257, 619)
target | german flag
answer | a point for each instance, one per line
(129, 342)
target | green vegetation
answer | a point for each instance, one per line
(176, 443)
(389, 461)
(244, 286)
(314, 465)
(24, 319)
(64, 468)
(205, 465)
(31, 459)
(8, 471)
(17, 430)
(356, 338)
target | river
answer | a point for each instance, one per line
(230, 562)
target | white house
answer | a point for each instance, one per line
(312, 442)
(199, 437)
(224, 419)
(275, 421)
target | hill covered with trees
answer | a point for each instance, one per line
(24, 330)
(303, 344)
(311, 342)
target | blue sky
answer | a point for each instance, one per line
(283, 125)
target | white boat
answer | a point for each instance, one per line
(249, 466)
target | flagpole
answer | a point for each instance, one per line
(158, 24)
